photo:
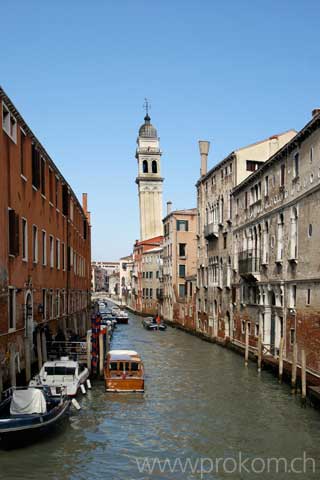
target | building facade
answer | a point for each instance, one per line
(215, 265)
(276, 250)
(45, 246)
(101, 274)
(126, 268)
(179, 263)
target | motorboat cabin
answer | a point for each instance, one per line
(61, 375)
(124, 371)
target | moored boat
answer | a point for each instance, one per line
(124, 371)
(122, 317)
(62, 375)
(30, 409)
(151, 324)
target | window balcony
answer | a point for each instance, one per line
(211, 230)
(249, 265)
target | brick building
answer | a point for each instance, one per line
(45, 248)
(276, 231)
(179, 263)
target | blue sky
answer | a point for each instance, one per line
(79, 71)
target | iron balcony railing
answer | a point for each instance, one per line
(249, 262)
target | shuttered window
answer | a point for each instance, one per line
(13, 233)
(35, 167)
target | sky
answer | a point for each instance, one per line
(232, 73)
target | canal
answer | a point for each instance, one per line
(202, 409)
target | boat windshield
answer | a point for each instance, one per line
(134, 366)
(60, 371)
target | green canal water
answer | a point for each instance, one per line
(202, 410)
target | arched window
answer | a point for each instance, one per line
(154, 166)
(145, 166)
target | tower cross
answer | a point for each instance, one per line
(146, 106)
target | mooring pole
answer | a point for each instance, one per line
(281, 359)
(13, 378)
(246, 354)
(259, 352)
(294, 368)
(27, 359)
(303, 378)
(39, 353)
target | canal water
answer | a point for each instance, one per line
(203, 415)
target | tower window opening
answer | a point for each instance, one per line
(154, 167)
(145, 166)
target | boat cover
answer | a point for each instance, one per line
(26, 402)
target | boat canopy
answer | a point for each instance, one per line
(122, 355)
(29, 401)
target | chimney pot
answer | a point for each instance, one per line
(204, 150)
(169, 207)
(315, 112)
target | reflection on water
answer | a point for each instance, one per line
(199, 402)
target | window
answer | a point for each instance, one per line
(282, 175)
(292, 336)
(51, 246)
(35, 158)
(145, 166)
(311, 155)
(182, 271)
(182, 249)
(296, 165)
(243, 327)
(308, 299)
(150, 293)
(57, 192)
(292, 296)
(266, 186)
(24, 239)
(44, 248)
(154, 166)
(253, 165)
(58, 253)
(34, 244)
(43, 176)
(71, 210)
(65, 199)
(310, 230)
(225, 236)
(150, 274)
(50, 185)
(63, 255)
(44, 303)
(12, 308)
(22, 153)
(13, 233)
(182, 225)
(182, 290)
(245, 200)
(9, 123)
(256, 330)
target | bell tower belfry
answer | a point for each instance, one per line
(149, 180)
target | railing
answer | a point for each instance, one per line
(74, 350)
(211, 230)
(248, 263)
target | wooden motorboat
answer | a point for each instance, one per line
(62, 375)
(29, 409)
(124, 372)
(122, 317)
(151, 324)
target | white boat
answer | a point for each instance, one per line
(61, 375)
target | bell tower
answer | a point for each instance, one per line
(149, 180)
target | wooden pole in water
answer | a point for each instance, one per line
(101, 354)
(27, 359)
(259, 352)
(246, 355)
(303, 378)
(39, 351)
(294, 368)
(44, 347)
(13, 378)
(1, 383)
(281, 359)
(89, 351)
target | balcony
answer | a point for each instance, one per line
(211, 230)
(249, 265)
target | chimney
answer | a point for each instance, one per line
(204, 150)
(315, 112)
(169, 207)
(85, 202)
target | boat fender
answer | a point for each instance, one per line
(88, 384)
(75, 404)
(83, 388)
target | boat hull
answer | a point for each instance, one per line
(125, 385)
